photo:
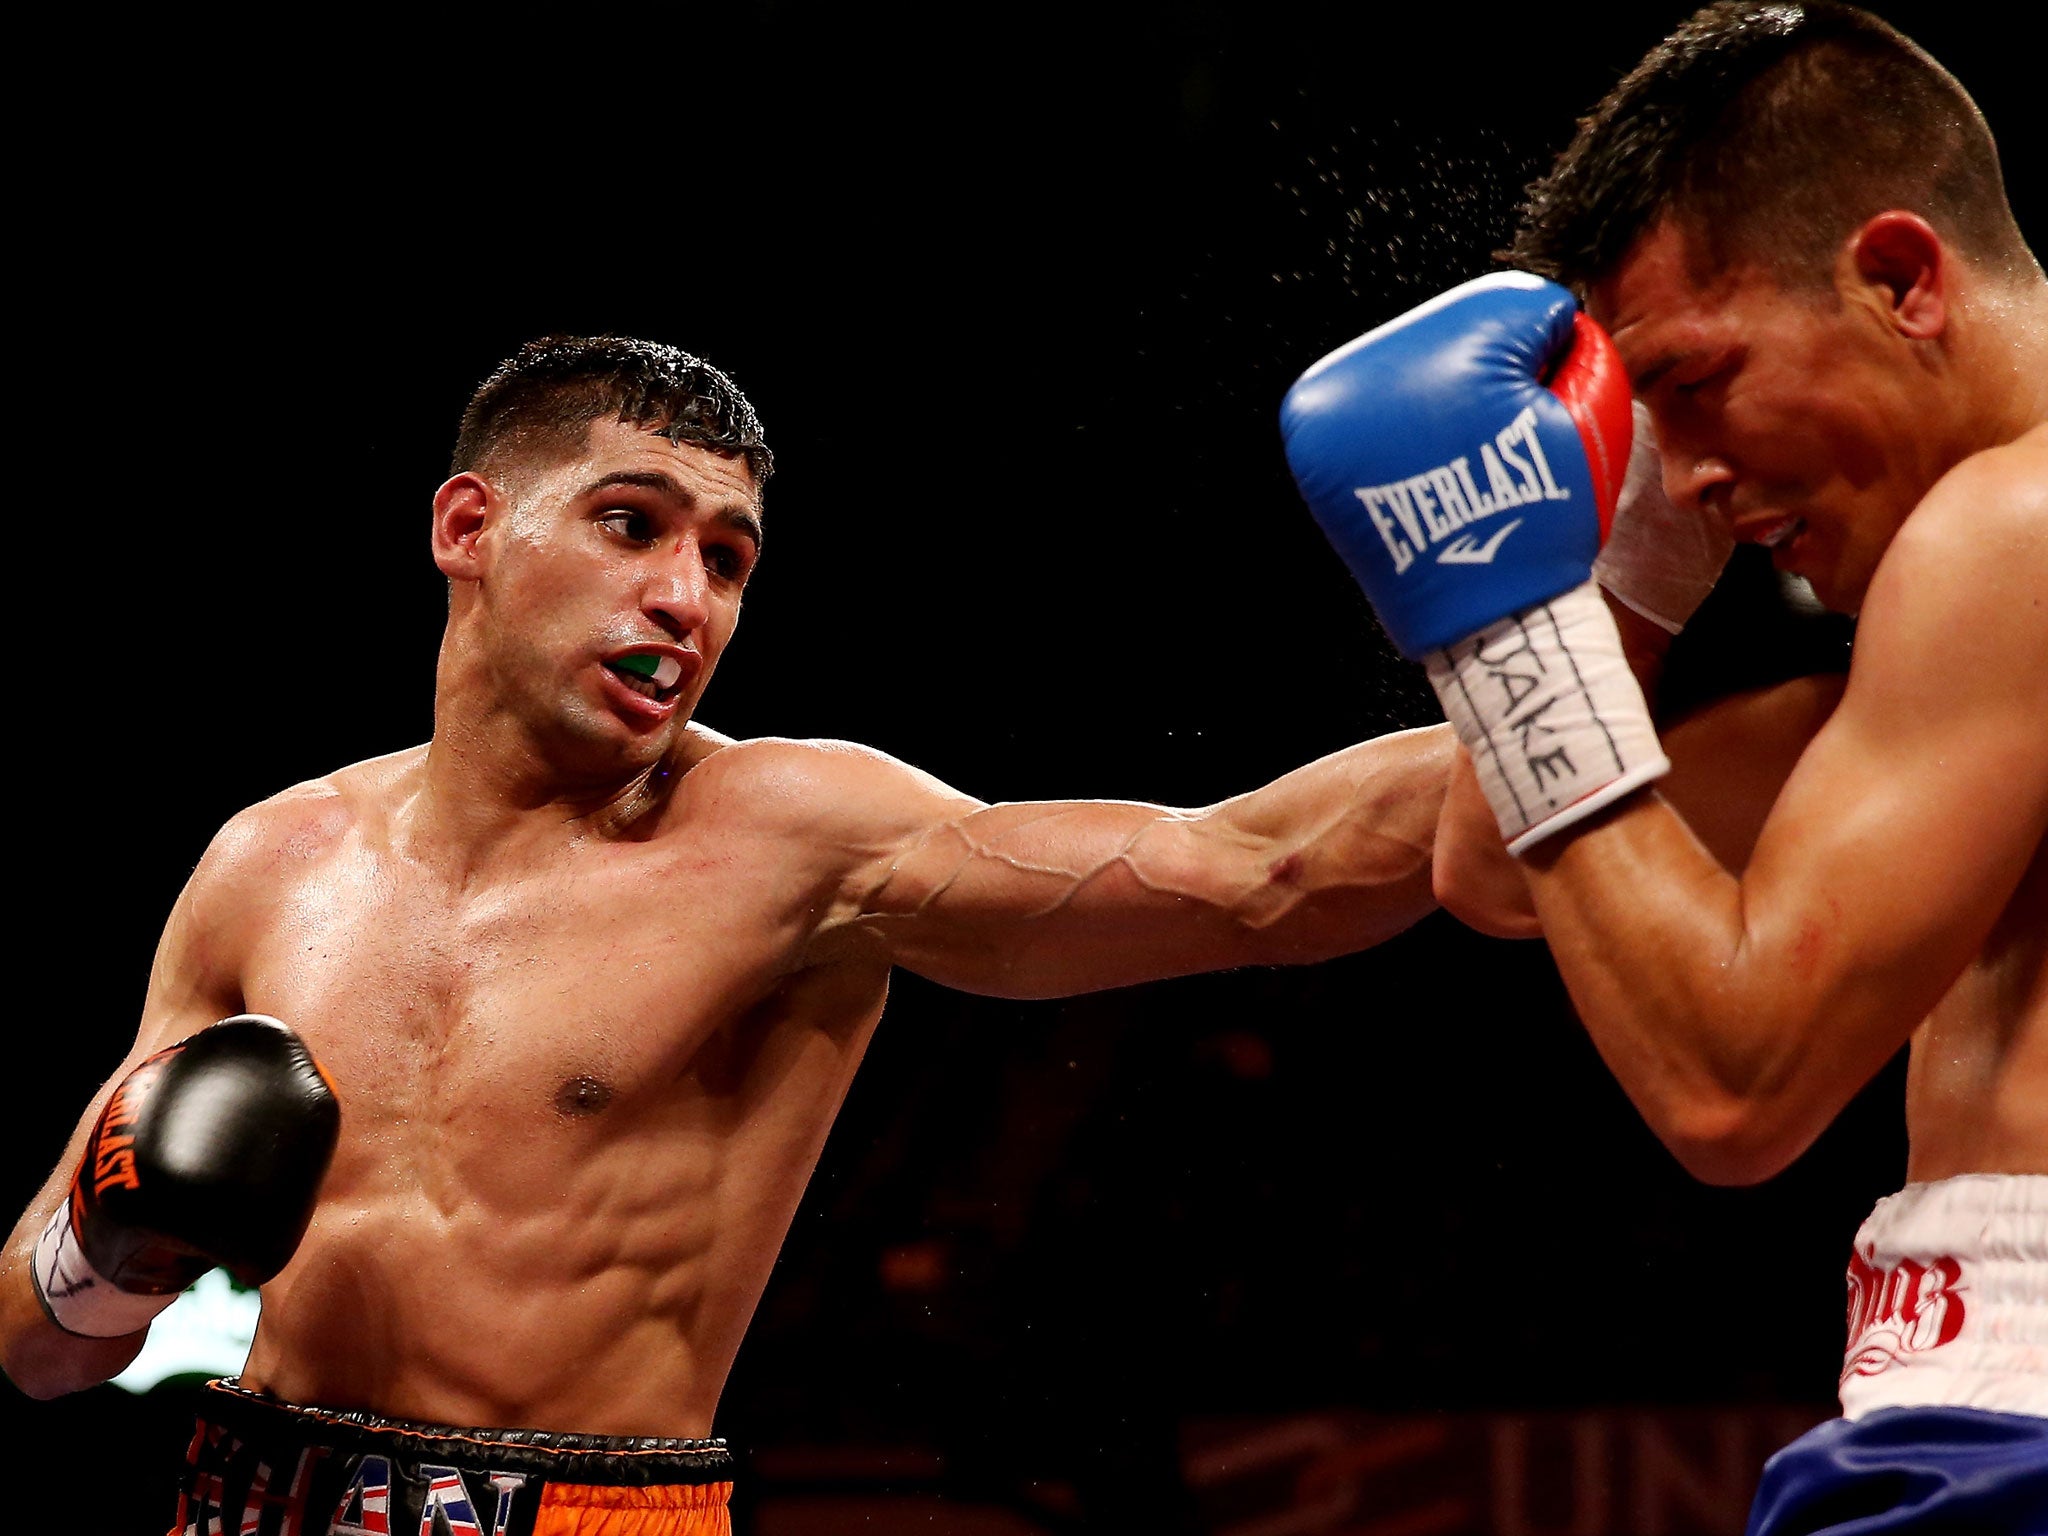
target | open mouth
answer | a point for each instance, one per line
(1782, 533)
(655, 676)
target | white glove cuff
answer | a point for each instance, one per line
(1657, 560)
(78, 1298)
(1553, 717)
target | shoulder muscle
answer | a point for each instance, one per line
(848, 815)
(196, 975)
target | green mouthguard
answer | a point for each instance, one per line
(644, 665)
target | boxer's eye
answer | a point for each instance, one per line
(633, 526)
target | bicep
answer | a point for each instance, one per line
(189, 987)
(195, 975)
(1906, 825)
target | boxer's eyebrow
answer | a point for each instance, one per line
(740, 519)
(649, 480)
(742, 522)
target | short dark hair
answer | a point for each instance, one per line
(552, 389)
(1769, 132)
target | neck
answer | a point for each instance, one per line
(491, 774)
(492, 787)
(2006, 353)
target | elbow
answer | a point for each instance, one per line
(1734, 1141)
(40, 1390)
(1727, 1167)
(44, 1362)
(39, 1373)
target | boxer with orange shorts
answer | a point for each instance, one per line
(267, 1468)
(587, 983)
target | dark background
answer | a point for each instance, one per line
(1017, 291)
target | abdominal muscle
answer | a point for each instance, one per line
(1977, 1079)
(546, 1313)
(506, 1265)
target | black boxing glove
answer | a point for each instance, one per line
(209, 1154)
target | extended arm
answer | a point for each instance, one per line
(1049, 899)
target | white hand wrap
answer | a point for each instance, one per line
(1553, 717)
(78, 1297)
(1657, 560)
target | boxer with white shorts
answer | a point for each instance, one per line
(1789, 223)
(1945, 1380)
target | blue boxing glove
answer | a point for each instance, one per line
(1465, 459)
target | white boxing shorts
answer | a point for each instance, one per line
(1944, 1427)
(1948, 1298)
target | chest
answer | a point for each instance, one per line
(559, 992)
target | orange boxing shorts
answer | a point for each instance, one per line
(259, 1466)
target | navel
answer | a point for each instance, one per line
(582, 1095)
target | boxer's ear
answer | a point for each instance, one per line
(1899, 261)
(460, 506)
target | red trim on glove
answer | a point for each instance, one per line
(1593, 385)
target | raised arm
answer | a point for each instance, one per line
(1656, 568)
(1729, 761)
(1053, 898)
(1741, 1013)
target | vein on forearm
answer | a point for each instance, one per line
(971, 848)
(1322, 861)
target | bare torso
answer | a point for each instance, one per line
(581, 1100)
(1977, 1077)
(1977, 1074)
(591, 981)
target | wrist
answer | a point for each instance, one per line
(77, 1297)
(1554, 720)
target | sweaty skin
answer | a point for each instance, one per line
(1728, 758)
(1887, 436)
(592, 980)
